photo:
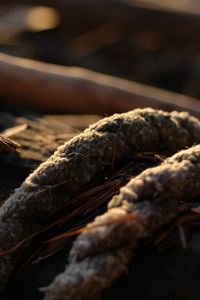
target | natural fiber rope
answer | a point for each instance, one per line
(100, 254)
(74, 164)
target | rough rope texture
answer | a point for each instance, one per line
(100, 254)
(77, 161)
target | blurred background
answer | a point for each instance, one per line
(153, 42)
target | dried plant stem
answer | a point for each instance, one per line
(100, 254)
(50, 187)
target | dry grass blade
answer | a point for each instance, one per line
(6, 145)
(14, 130)
(65, 235)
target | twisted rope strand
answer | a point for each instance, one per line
(100, 255)
(77, 161)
